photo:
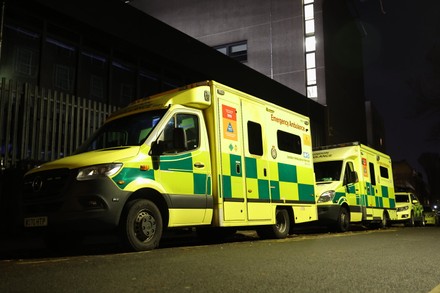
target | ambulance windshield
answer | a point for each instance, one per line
(328, 171)
(130, 130)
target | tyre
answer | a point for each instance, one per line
(411, 222)
(385, 223)
(141, 225)
(343, 222)
(279, 230)
(422, 223)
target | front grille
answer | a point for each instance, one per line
(43, 191)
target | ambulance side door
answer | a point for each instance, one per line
(256, 165)
(185, 168)
(352, 190)
(231, 173)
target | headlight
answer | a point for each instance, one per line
(401, 209)
(327, 196)
(92, 172)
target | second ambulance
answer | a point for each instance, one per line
(355, 185)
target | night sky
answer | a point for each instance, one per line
(402, 73)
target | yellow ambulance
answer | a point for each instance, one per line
(204, 155)
(354, 184)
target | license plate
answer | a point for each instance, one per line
(35, 222)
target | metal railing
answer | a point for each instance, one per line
(39, 125)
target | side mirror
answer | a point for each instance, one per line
(155, 152)
(156, 149)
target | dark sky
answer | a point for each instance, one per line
(401, 60)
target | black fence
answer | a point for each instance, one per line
(38, 125)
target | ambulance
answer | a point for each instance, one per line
(204, 155)
(354, 185)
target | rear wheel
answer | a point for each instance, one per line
(141, 225)
(280, 229)
(385, 223)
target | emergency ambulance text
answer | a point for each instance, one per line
(287, 123)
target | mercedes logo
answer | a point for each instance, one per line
(37, 184)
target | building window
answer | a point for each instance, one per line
(310, 60)
(310, 44)
(237, 51)
(96, 88)
(312, 91)
(308, 12)
(311, 76)
(23, 61)
(126, 93)
(63, 77)
(310, 27)
(310, 48)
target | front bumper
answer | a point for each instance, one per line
(403, 216)
(328, 213)
(68, 204)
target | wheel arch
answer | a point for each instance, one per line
(153, 195)
(345, 206)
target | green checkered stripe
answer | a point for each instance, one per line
(183, 163)
(363, 200)
(295, 190)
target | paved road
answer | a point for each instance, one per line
(392, 260)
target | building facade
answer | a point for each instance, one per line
(311, 46)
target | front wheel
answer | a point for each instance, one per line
(141, 225)
(280, 229)
(411, 221)
(343, 222)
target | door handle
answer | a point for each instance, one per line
(199, 165)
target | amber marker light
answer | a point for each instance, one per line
(144, 167)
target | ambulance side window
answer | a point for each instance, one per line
(384, 172)
(372, 174)
(289, 142)
(350, 175)
(255, 138)
(190, 124)
(180, 134)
